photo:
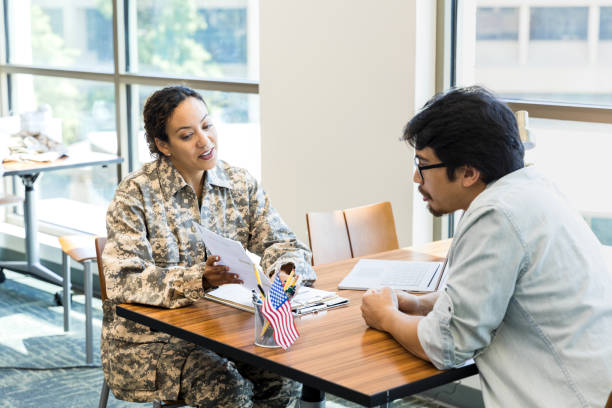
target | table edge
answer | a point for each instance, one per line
(34, 170)
(311, 380)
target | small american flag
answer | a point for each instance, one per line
(277, 310)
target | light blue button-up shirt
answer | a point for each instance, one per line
(529, 297)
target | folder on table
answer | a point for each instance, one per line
(413, 276)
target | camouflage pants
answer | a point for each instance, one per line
(209, 380)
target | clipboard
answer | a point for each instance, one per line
(309, 300)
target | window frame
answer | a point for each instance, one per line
(447, 37)
(125, 86)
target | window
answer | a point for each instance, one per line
(499, 23)
(236, 117)
(552, 59)
(547, 54)
(60, 34)
(605, 23)
(211, 39)
(497, 36)
(60, 53)
(558, 23)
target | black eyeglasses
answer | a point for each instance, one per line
(430, 166)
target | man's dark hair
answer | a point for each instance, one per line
(157, 110)
(469, 126)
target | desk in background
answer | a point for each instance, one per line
(336, 351)
(29, 172)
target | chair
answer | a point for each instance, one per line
(343, 234)
(371, 229)
(609, 403)
(328, 237)
(100, 242)
(79, 248)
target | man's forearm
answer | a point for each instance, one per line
(427, 302)
(403, 328)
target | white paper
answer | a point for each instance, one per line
(403, 275)
(232, 254)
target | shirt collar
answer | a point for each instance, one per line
(218, 176)
(171, 180)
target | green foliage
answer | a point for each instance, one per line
(166, 33)
(166, 40)
(48, 49)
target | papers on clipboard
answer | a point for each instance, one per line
(233, 255)
(307, 300)
(404, 275)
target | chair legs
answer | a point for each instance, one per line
(103, 395)
(66, 288)
(88, 289)
(88, 314)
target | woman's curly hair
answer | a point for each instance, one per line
(157, 111)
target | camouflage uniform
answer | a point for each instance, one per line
(153, 256)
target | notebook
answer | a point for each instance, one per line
(413, 276)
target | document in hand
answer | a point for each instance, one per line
(233, 255)
(405, 275)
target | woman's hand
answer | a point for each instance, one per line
(217, 275)
(285, 271)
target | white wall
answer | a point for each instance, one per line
(339, 81)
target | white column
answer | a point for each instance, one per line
(523, 33)
(593, 34)
(338, 84)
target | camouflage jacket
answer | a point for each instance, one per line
(153, 255)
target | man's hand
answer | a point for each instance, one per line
(409, 303)
(217, 275)
(378, 306)
(416, 305)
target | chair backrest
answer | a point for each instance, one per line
(328, 237)
(100, 242)
(609, 403)
(371, 229)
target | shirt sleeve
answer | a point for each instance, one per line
(488, 257)
(272, 239)
(132, 275)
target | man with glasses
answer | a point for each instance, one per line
(528, 295)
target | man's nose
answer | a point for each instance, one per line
(417, 177)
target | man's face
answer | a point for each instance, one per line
(442, 195)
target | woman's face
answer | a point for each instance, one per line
(192, 138)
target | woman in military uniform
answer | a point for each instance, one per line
(153, 256)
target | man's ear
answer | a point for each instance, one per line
(470, 176)
(162, 146)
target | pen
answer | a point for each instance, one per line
(434, 274)
(263, 294)
(289, 279)
(312, 308)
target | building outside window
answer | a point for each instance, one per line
(61, 53)
(552, 58)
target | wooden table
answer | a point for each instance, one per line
(29, 172)
(336, 351)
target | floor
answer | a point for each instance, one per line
(42, 366)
